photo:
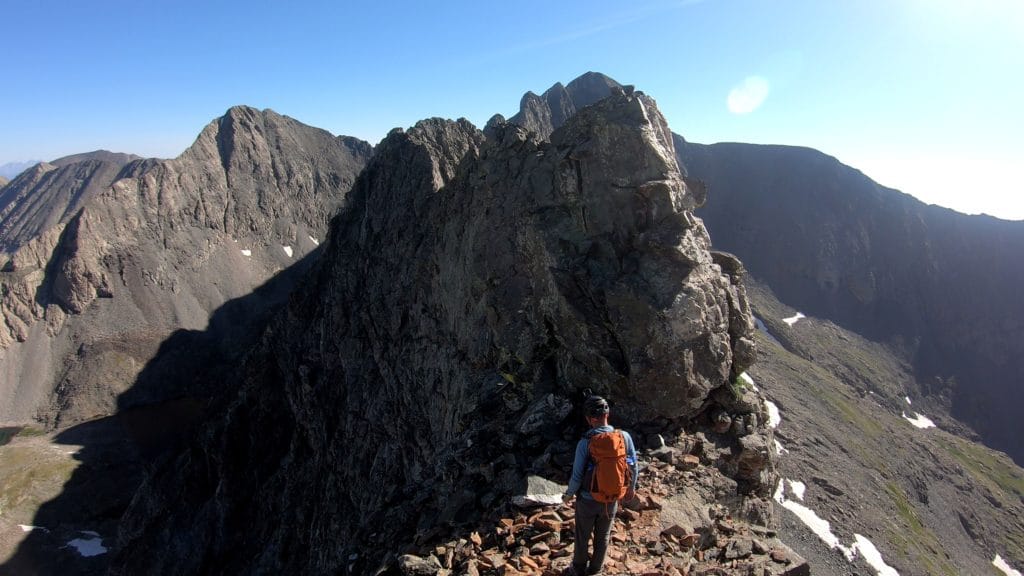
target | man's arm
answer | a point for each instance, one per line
(578, 466)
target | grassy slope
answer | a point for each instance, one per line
(931, 501)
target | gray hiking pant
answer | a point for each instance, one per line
(592, 518)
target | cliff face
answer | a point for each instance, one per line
(473, 287)
(939, 285)
(109, 261)
(543, 114)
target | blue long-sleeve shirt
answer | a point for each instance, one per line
(579, 465)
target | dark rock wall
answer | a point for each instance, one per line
(471, 289)
(940, 285)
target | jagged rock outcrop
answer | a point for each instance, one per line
(110, 261)
(941, 286)
(543, 114)
(470, 280)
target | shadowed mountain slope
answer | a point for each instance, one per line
(940, 285)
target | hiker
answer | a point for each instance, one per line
(604, 472)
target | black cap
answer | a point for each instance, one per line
(595, 406)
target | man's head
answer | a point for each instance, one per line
(595, 409)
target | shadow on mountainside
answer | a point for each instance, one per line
(73, 532)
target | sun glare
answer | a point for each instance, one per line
(748, 95)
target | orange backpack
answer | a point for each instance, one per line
(611, 478)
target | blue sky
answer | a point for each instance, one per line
(922, 95)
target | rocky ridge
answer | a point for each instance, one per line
(110, 261)
(99, 155)
(895, 368)
(673, 526)
(46, 195)
(543, 114)
(937, 284)
(471, 289)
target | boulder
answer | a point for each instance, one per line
(537, 491)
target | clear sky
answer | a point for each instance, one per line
(926, 96)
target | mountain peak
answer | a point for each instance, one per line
(467, 298)
(543, 114)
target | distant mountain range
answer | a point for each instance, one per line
(12, 169)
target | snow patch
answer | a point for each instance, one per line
(287, 250)
(1001, 564)
(872, 556)
(314, 241)
(774, 417)
(779, 449)
(907, 398)
(793, 319)
(797, 488)
(92, 546)
(27, 528)
(246, 252)
(823, 529)
(764, 330)
(748, 380)
(919, 420)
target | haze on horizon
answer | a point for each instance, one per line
(920, 95)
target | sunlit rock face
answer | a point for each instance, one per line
(472, 279)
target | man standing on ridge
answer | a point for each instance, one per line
(604, 472)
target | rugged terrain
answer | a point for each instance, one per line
(472, 286)
(115, 271)
(466, 296)
(50, 194)
(939, 285)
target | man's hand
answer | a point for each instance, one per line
(566, 498)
